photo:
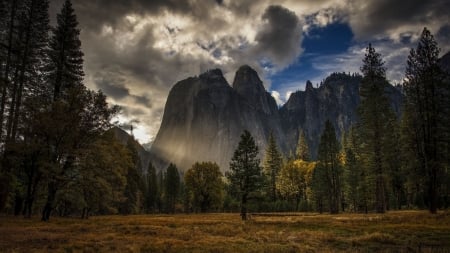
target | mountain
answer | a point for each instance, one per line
(204, 117)
(336, 99)
(123, 137)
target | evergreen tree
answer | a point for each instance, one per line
(329, 171)
(172, 188)
(302, 150)
(133, 189)
(152, 189)
(374, 112)
(272, 165)
(65, 68)
(427, 105)
(72, 106)
(245, 173)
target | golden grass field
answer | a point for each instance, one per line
(406, 231)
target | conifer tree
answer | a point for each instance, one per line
(328, 171)
(71, 106)
(302, 149)
(65, 68)
(374, 112)
(152, 189)
(172, 187)
(245, 173)
(427, 106)
(272, 165)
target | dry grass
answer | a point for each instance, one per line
(407, 231)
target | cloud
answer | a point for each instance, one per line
(386, 18)
(280, 37)
(136, 50)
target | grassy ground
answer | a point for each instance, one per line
(408, 231)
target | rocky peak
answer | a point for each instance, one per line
(309, 86)
(212, 75)
(247, 83)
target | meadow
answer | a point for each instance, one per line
(403, 231)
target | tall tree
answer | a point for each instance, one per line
(133, 190)
(272, 165)
(302, 149)
(76, 116)
(374, 112)
(172, 187)
(204, 182)
(245, 173)
(329, 170)
(427, 106)
(152, 189)
(65, 68)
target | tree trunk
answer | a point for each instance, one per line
(244, 207)
(50, 201)
(433, 192)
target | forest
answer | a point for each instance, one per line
(59, 157)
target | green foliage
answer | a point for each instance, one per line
(328, 172)
(272, 164)
(152, 191)
(302, 149)
(171, 188)
(375, 113)
(245, 175)
(427, 127)
(205, 187)
(134, 189)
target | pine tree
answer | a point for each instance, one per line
(245, 173)
(352, 173)
(65, 68)
(172, 187)
(272, 165)
(302, 150)
(329, 171)
(427, 106)
(71, 106)
(374, 112)
(152, 189)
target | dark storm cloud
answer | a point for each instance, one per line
(143, 100)
(377, 17)
(94, 13)
(281, 36)
(112, 86)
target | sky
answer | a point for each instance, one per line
(136, 50)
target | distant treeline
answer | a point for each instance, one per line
(58, 157)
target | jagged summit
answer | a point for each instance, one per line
(212, 74)
(309, 86)
(204, 118)
(247, 82)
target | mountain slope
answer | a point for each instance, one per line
(336, 99)
(204, 117)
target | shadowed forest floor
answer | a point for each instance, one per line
(406, 231)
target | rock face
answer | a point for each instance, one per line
(336, 99)
(204, 117)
